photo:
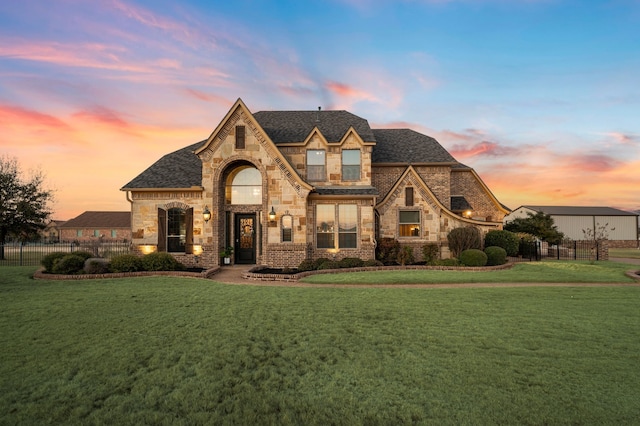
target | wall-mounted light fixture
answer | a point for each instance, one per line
(467, 213)
(272, 214)
(206, 214)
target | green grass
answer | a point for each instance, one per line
(526, 272)
(632, 253)
(162, 350)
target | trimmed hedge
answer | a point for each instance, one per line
(473, 257)
(69, 264)
(126, 263)
(495, 256)
(160, 261)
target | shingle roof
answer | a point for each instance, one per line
(346, 190)
(407, 146)
(93, 219)
(579, 211)
(179, 169)
(295, 126)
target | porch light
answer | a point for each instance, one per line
(206, 214)
(272, 214)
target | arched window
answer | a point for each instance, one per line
(244, 186)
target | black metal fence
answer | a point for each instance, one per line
(577, 250)
(31, 254)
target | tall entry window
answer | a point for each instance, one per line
(244, 186)
(175, 230)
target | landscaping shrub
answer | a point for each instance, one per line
(96, 265)
(51, 259)
(126, 263)
(473, 257)
(69, 264)
(306, 265)
(430, 253)
(447, 262)
(351, 262)
(84, 254)
(405, 256)
(329, 264)
(387, 251)
(161, 261)
(461, 239)
(372, 262)
(505, 239)
(495, 256)
(318, 262)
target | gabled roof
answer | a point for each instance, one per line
(409, 147)
(579, 211)
(295, 126)
(179, 169)
(100, 220)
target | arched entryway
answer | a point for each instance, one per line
(243, 201)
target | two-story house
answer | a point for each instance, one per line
(283, 186)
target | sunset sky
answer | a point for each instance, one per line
(541, 97)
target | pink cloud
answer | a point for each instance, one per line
(624, 138)
(593, 162)
(483, 148)
(207, 97)
(11, 115)
(347, 91)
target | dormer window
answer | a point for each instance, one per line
(350, 164)
(316, 165)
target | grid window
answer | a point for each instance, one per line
(315, 165)
(409, 221)
(351, 164)
(346, 233)
(325, 225)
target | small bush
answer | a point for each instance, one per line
(161, 261)
(387, 251)
(405, 256)
(447, 262)
(126, 263)
(372, 262)
(505, 239)
(430, 253)
(351, 262)
(318, 262)
(84, 254)
(306, 265)
(329, 264)
(96, 265)
(461, 239)
(495, 256)
(473, 257)
(51, 259)
(69, 264)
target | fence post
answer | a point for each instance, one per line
(597, 250)
(575, 250)
(21, 258)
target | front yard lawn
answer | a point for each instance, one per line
(164, 350)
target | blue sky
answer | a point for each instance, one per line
(541, 97)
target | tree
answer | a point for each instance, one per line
(24, 203)
(541, 225)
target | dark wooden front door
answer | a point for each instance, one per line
(245, 238)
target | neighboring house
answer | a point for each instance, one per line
(620, 227)
(283, 186)
(109, 226)
(51, 232)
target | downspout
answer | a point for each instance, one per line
(131, 217)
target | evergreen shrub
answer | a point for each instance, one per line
(71, 263)
(430, 253)
(473, 257)
(51, 259)
(505, 239)
(161, 261)
(495, 256)
(126, 263)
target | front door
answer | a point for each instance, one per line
(245, 238)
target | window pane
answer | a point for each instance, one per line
(347, 240)
(176, 230)
(315, 173)
(287, 231)
(244, 186)
(351, 157)
(350, 172)
(347, 225)
(409, 230)
(412, 216)
(315, 157)
(325, 225)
